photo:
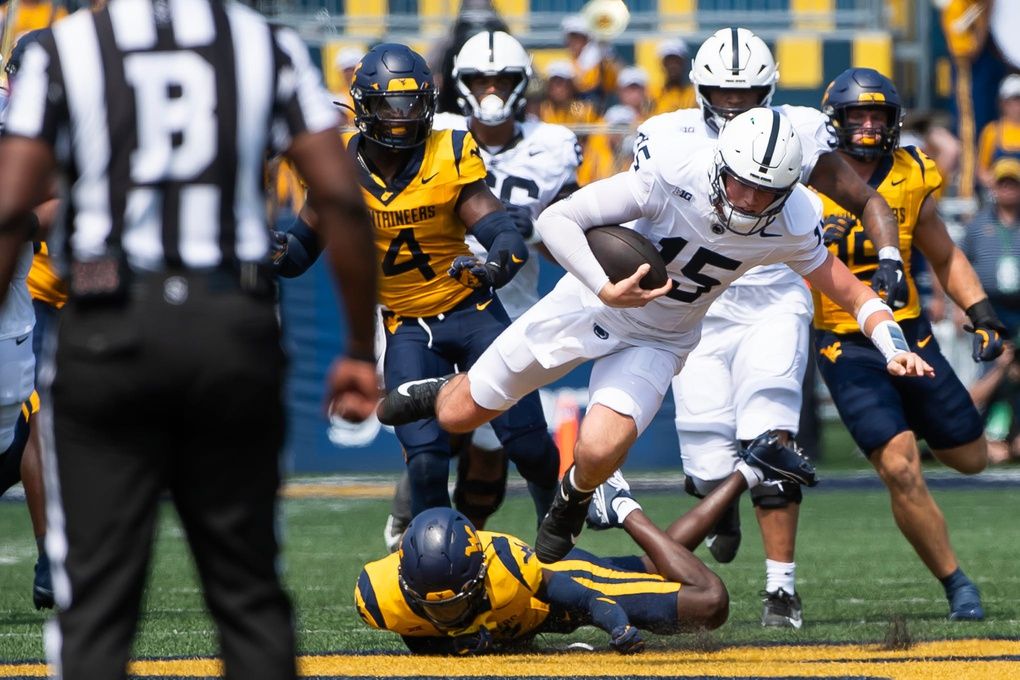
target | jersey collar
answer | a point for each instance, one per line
(373, 184)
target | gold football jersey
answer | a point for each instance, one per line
(417, 231)
(512, 580)
(43, 283)
(904, 180)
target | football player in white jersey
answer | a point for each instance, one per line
(745, 377)
(530, 165)
(714, 214)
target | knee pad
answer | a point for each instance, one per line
(769, 495)
(429, 473)
(536, 457)
(479, 499)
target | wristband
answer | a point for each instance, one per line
(870, 307)
(890, 253)
(889, 339)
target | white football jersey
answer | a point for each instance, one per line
(529, 172)
(702, 257)
(817, 137)
(17, 317)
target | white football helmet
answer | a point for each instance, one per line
(492, 53)
(732, 58)
(759, 148)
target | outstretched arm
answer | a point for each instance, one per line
(605, 612)
(834, 177)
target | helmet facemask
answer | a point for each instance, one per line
(493, 109)
(398, 120)
(717, 116)
(875, 145)
(448, 610)
(735, 219)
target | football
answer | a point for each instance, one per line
(621, 251)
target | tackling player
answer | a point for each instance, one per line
(746, 375)
(454, 590)
(426, 191)
(884, 412)
(707, 212)
(530, 165)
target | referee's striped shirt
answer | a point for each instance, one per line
(162, 112)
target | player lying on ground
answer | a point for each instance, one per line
(453, 590)
(714, 213)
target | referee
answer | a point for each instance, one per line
(168, 367)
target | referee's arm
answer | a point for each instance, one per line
(344, 226)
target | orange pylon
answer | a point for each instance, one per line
(567, 423)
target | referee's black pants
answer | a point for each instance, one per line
(177, 389)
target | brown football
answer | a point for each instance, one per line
(621, 251)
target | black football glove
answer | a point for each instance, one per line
(987, 329)
(471, 272)
(521, 218)
(626, 640)
(835, 228)
(890, 278)
(473, 643)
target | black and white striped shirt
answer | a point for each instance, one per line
(162, 113)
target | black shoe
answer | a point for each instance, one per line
(562, 526)
(781, 610)
(724, 540)
(42, 585)
(779, 462)
(411, 401)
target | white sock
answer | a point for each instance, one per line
(623, 506)
(573, 483)
(753, 475)
(780, 575)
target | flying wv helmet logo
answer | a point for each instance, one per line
(832, 352)
(474, 544)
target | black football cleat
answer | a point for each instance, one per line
(965, 604)
(42, 584)
(562, 525)
(779, 462)
(411, 401)
(781, 610)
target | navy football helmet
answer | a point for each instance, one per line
(863, 87)
(394, 96)
(442, 568)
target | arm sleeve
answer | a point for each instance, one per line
(816, 135)
(302, 104)
(614, 200)
(565, 592)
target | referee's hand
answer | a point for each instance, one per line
(353, 389)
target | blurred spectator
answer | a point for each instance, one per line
(1001, 138)
(977, 70)
(993, 246)
(632, 92)
(345, 61)
(595, 67)
(997, 396)
(32, 15)
(928, 131)
(677, 91)
(621, 122)
(562, 107)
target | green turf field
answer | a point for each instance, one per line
(855, 574)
